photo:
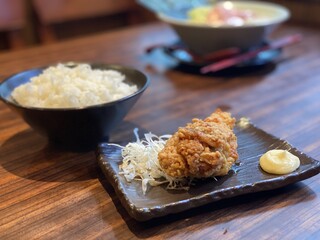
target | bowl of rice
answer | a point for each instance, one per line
(75, 105)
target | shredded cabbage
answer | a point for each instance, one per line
(140, 162)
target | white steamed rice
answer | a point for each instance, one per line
(61, 86)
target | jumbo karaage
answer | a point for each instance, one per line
(203, 148)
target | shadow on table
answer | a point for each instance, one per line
(215, 213)
(30, 156)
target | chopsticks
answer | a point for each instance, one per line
(231, 61)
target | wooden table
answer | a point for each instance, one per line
(50, 194)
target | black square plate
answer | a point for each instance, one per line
(246, 177)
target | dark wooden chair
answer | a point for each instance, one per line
(13, 21)
(54, 12)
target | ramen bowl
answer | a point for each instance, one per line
(203, 36)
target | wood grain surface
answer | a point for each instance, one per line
(47, 193)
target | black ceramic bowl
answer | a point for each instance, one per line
(75, 128)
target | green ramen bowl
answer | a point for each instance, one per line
(205, 37)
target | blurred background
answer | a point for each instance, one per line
(25, 23)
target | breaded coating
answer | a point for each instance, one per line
(203, 148)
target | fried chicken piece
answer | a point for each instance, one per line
(203, 148)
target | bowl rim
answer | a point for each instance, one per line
(111, 66)
(285, 15)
